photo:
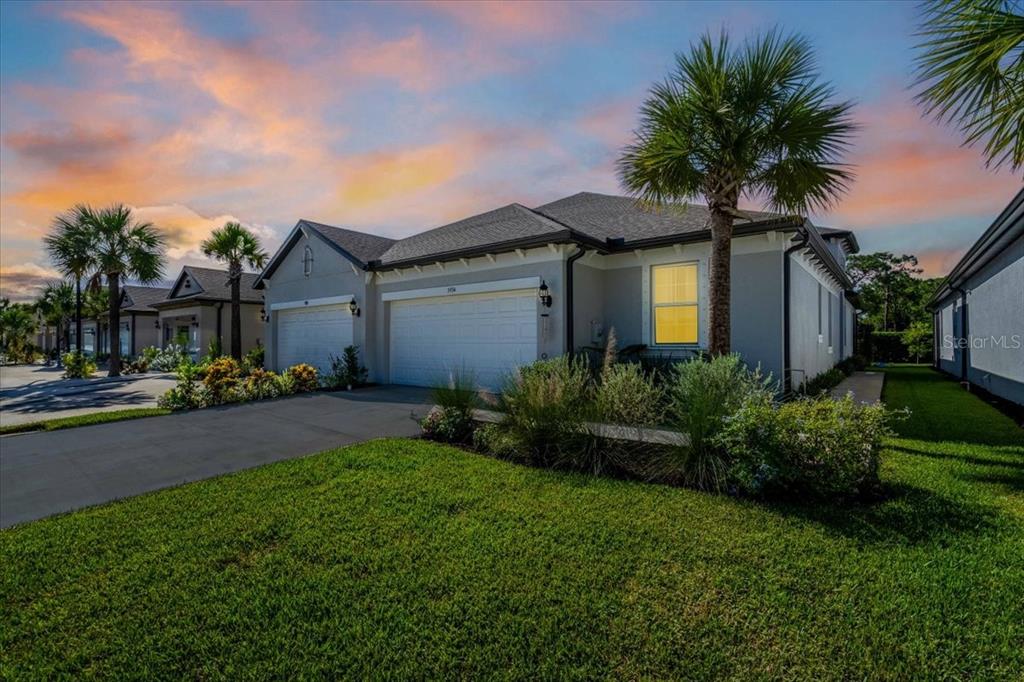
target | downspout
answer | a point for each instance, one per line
(965, 333)
(131, 351)
(786, 360)
(570, 322)
(220, 324)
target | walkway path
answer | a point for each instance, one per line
(865, 386)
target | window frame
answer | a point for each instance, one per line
(652, 306)
(307, 263)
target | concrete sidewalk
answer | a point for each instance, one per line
(51, 472)
(866, 387)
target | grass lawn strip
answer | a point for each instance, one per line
(84, 420)
(409, 558)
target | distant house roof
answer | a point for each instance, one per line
(140, 299)
(1004, 230)
(208, 285)
(600, 221)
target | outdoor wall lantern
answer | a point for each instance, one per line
(353, 308)
(263, 315)
(544, 294)
(157, 323)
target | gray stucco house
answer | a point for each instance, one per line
(139, 322)
(979, 310)
(197, 309)
(494, 291)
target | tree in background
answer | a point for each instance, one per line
(123, 249)
(17, 323)
(56, 305)
(235, 245)
(891, 294)
(70, 246)
(918, 339)
(729, 123)
(971, 69)
(95, 306)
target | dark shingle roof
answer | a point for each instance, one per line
(362, 246)
(213, 286)
(140, 299)
(506, 224)
(603, 217)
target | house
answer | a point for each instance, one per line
(138, 322)
(197, 310)
(979, 310)
(503, 288)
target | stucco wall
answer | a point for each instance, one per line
(995, 310)
(589, 296)
(757, 310)
(809, 350)
(622, 296)
(331, 275)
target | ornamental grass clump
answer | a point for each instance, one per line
(452, 419)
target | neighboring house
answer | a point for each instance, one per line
(138, 322)
(509, 286)
(979, 310)
(197, 310)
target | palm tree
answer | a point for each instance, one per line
(728, 123)
(971, 68)
(123, 249)
(70, 247)
(235, 245)
(16, 325)
(96, 304)
(57, 306)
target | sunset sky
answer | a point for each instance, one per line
(394, 118)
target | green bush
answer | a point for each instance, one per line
(260, 385)
(78, 366)
(546, 406)
(626, 395)
(346, 371)
(703, 394)
(823, 382)
(188, 394)
(808, 449)
(888, 347)
(254, 358)
(448, 425)
(854, 363)
(222, 379)
(303, 378)
(494, 440)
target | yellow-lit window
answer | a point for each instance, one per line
(674, 299)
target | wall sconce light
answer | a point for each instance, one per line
(263, 314)
(544, 294)
(353, 308)
(157, 323)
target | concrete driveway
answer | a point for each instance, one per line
(30, 393)
(50, 472)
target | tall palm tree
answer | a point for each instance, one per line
(235, 245)
(123, 249)
(728, 123)
(971, 69)
(56, 305)
(69, 244)
(16, 325)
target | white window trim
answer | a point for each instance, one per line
(468, 288)
(307, 250)
(312, 302)
(647, 314)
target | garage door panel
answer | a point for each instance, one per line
(312, 335)
(486, 334)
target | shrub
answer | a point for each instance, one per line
(546, 405)
(254, 358)
(187, 394)
(628, 396)
(854, 363)
(214, 349)
(702, 395)
(448, 425)
(497, 441)
(139, 365)
(812, 449)
(78, 366)
(286, 384)
(221, 379)
(303, 378)
(823, 382)
(168, 359)
(346, 371)
(261, 384)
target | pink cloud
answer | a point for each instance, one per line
(938, 262)
(526, 18)
(910, 170)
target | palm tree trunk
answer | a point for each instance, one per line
(113, 285)
(236, 311)
(720, 285)
(78, 314)
(56, 340)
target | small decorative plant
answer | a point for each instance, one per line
(78, 366)
(222, 380)
(304, 377)
(261, 384)
(346, 371)
(254, 358)
(188, 393)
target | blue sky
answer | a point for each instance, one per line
(397, 117)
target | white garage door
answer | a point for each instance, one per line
(312, 335)
(488, 335)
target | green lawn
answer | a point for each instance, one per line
(409, 559)
(84, 420)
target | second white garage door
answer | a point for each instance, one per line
(488, 335)
(312, 335)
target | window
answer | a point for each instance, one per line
(674, 301)
(307, 261)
